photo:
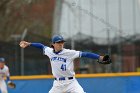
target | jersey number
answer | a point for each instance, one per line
(63, 67)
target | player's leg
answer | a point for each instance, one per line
(56, 88)
(3, 87)
(75, 87)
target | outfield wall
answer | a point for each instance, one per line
(92, 83)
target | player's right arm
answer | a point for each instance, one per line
(24, 44)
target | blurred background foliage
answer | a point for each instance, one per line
(34, 16)
(18, 15)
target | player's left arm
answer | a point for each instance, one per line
(101, 59)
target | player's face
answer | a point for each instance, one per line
(58, 46)
(2, 64)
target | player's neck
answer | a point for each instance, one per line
(57, 51)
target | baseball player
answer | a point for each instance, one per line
(4, 72)
(61, 60)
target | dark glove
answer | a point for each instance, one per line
(106, 60)
(11, 84)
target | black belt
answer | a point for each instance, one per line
(64, 78)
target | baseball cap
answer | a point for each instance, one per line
(2, 60)
(57, 38)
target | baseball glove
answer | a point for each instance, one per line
(11, 84)
(106, 60)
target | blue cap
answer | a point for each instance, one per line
(57, 38)
(2, 59)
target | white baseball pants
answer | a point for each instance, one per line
(3, 86)
(66, 86)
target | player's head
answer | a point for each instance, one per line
(2, 62)
(57, 38)
(57, 42)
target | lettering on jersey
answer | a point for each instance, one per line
(59, 59)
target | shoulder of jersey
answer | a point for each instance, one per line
(69, 50)
(66, 50)
(6, 67)
(48, 48)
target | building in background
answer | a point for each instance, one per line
(107, 24)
